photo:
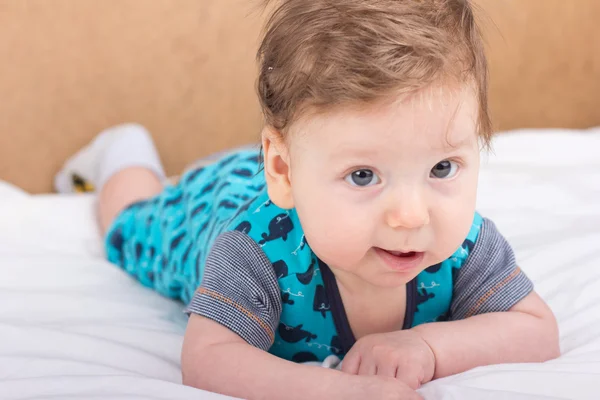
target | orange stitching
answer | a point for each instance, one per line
(227, 300)
(493, 290)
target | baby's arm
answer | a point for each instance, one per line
(495, 317)
(234, 315)
(526, 333)
(216, 359)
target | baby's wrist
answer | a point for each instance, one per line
(430, 366)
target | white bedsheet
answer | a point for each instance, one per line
(73, 326)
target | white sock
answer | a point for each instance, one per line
(114, 149)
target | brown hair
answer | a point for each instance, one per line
(321, 54)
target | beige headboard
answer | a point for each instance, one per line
(185, 69)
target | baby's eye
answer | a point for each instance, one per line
(362, 177)
(444, 170)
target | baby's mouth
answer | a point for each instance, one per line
(400, 260)
(402, 254)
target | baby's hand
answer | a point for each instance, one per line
(403, 355)
(379, 388)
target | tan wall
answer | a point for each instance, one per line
(544, 62)
(185, 69)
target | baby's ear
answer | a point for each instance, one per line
(277, 168)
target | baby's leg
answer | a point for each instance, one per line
(124, 188)
(121, 163)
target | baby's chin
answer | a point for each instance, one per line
(378, 273)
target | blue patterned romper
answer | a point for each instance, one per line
(166, 242)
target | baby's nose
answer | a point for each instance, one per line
(408, 211)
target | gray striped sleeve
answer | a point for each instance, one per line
(239, 290)
(490, 280)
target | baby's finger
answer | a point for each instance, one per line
(387, 369)
(408, 377)
(351, 362)
(367, 367)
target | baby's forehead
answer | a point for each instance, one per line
(446, 118)
(437, 101)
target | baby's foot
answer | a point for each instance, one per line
(114, 149)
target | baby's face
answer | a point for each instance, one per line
(386, 192)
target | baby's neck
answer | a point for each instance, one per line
(371, 309)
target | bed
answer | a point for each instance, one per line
(74, 326)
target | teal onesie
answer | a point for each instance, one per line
(215, 241)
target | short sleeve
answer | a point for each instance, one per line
(239, 290)
(490, 280)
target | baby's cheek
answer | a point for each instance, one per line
(336, 228)
(452, 227)
(336, 234)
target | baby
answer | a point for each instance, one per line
(352, 233)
